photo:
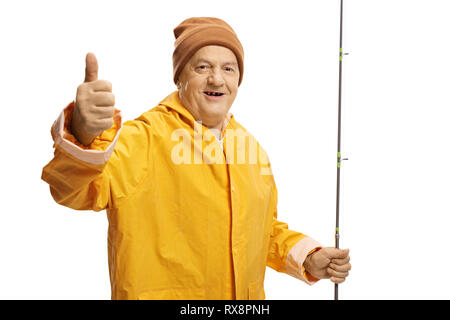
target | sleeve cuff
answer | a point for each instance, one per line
(296, 257)
(99, 151)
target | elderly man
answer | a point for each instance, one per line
(190, 198)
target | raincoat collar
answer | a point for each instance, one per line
(173, 101)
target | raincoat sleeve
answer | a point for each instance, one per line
(288, 249)
(97, 176)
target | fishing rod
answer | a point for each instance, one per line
(337, 235)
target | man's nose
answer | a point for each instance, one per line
(216, 78)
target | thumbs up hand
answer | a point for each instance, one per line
(94, 104)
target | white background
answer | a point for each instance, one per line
(396, 111)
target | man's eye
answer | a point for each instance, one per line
(203, 67)
(229, 69)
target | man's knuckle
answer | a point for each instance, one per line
(82, 87)
(109, 99)
(106, 124)
(107, 85)
(82, 98)
(107, 113)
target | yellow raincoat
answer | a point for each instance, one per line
(187, 219)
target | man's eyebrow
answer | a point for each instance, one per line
(226, 63)
(232, 63)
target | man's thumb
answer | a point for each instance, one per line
(91, 72)
(334, 253)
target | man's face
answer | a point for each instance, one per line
(208, 84)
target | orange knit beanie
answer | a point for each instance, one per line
(194, 33)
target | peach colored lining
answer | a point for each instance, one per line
(87, 155)
(296, 257)
(226, 121)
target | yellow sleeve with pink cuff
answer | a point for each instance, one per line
(99, 151)
(297, 256)
(76, 172)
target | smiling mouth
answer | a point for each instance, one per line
(213, 93)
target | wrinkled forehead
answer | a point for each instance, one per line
(214, 54)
